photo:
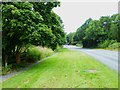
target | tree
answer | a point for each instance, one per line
(114, 27)
(19, 21)
(94, 32)
(53, 21)
(80, 33)
(70, 38)
(29, 23)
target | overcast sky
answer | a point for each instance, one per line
(74, 13)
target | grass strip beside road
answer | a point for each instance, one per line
(67, 69)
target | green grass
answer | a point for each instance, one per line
(67, 69)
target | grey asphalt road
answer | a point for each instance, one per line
(107, 57)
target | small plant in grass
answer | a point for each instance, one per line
(6, 69)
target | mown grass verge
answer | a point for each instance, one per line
(67, 69)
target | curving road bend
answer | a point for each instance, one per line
(107, 57)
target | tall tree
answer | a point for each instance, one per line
(29, 23)
(93, 32)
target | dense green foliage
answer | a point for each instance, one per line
(29, 23)
(98, 33)
(36, 53)
(69, 38)
(33, 53)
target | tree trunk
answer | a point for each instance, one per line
(6, 59)
(17, 57)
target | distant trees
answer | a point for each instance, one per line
(114, 27)
(93, 32)
(69, 38)
(29, 23)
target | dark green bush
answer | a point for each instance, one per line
(45, 52)
(114, 45)
(104, 44)
(109, 44)
(6, 69)
(33, 54)
(58, 49)
(19, 66)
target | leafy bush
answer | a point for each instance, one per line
(32, 54)
(79, 45)
(35, 53)
(12, 67)
(6, 69)
(73, 43)
(18, 66)
(110, 44)
(45, 52)
(58, 49)
(106, 43)
(115, 45)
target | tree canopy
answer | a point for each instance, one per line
(93, 32)
(30, 23)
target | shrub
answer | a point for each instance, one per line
(79, 45)
(19, 66)
(6, 69)
(115, 45)
(58, 49)
(73, 43)
(104, 44)
(109, 44)
(45, 52)
(35, 53)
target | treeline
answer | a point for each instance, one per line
(29, 23)
(97, 33)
